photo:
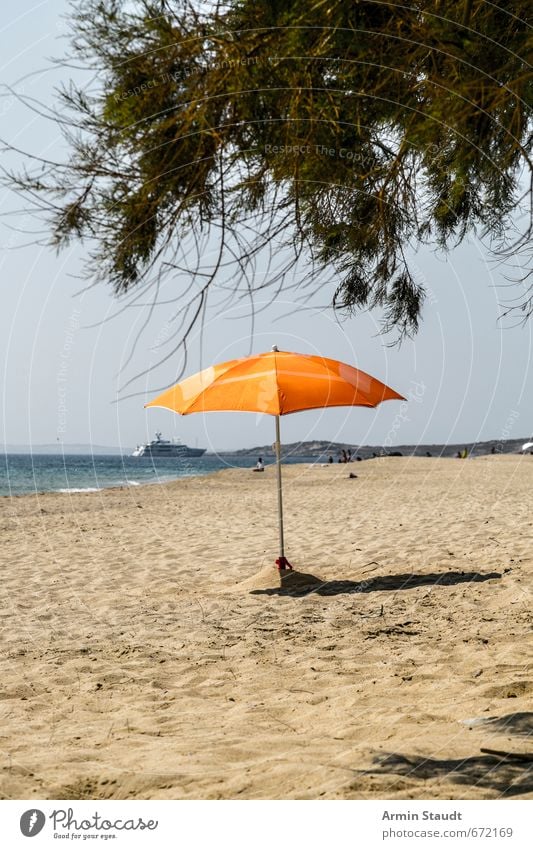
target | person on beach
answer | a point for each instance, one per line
(259, 466)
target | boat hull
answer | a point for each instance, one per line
(171, 449)
(176, 452)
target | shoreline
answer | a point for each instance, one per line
(85, 491)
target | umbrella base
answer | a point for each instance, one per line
(283, 563)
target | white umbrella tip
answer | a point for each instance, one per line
(275, 348)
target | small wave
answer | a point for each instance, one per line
(80, 489)
(133, 483)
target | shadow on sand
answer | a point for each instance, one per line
(301, 583)
(507, 776)
(514, 723)
(520, 724)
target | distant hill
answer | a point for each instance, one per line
(325, 449)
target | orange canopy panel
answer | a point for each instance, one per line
(276, 382)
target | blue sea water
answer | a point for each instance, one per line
(21, 474)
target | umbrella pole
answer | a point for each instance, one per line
(281, 562)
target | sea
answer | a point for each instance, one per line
(21, 474)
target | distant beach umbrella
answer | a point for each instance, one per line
(277, 383)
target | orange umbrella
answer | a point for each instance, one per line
(278, 383)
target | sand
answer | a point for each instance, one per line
(149, 651)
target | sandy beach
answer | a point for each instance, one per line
(149, 651)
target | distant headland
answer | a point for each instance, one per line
(321, 448)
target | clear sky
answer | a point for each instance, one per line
(469, 376)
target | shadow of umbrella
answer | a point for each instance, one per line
(302, 583)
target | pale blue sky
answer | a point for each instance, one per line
(61, 378)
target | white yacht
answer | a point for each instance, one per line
(160, 447)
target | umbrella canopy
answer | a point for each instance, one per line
(278, 383)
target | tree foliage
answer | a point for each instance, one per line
(348, 130)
